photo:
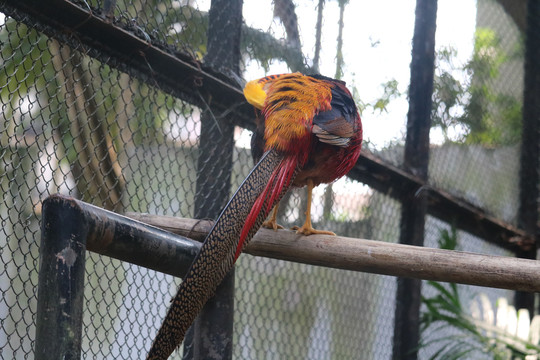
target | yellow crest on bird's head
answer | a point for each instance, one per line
(254, 93)
(255, 90)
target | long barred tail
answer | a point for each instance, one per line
(219, 250)
(279, 183)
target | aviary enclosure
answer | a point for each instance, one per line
(135, 107)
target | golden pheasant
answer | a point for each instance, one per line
(333, 131)
(309, 133)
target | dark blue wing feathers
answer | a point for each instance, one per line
(337, 125)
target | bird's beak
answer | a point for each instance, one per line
(254, 93)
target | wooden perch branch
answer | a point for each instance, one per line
(374, 256)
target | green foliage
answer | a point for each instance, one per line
(390, 92)
(485, 115)
(446, 310)
(265, 49)
(448, 239)
(361, 105)
(194, 27)
(25, 66)
(488, 56)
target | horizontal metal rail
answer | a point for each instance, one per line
(395, 182)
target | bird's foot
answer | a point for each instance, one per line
(271, 224)
(309, 230)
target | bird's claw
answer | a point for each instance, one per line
(309, 230)
(271, 224)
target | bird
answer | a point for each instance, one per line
(308, 132)
(336, 132)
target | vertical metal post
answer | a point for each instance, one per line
(530, 142)
(210, 337)
(414, 205)
(61, 281)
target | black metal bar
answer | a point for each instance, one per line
(128, 240)
(530, 144)
(210, 337)
(416, 160)
(61, 281)
(69, 228)
(125, 239)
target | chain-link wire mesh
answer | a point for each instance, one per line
(477, 105)
(79, 126)
(435, 335)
